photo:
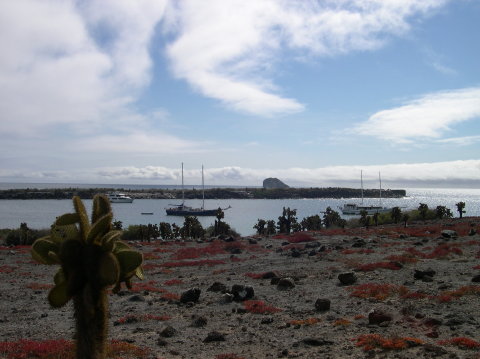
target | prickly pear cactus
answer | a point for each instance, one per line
(91, 258)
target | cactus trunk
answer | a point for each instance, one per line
(91, 308)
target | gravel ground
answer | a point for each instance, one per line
(281, 297)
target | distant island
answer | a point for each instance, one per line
(212, 193)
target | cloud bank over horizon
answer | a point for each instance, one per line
(453, 173)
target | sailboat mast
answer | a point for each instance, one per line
(380, 180)
(183, 192)
(361, 183)
(203, 191)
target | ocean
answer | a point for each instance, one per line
(242, 216)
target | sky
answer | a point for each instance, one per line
(310, 92)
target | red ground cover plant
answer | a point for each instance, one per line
(461, 342)
(63, 349)
(376, 341)
(21, 248)
(171, 296)
(308, 321)
(441, 251)
(379, 265)
(357, 251)
(7, 269)
(228, 356)
(342, 322)
(403, 258)
(376, 290)
(149, 286)
(39, 286)
(204, 262)
(173, 282)
(448, 296)
(255, 275)
(150, 256)
(300, 237)
(259, 307)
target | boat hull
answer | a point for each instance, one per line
(191, 212)
(357, 210)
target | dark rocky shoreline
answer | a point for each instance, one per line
(212, 193)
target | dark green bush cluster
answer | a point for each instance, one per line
(21, 236)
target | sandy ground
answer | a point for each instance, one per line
(383, 310)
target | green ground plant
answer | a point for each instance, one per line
(92, 258)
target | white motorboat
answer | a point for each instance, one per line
(117, 197)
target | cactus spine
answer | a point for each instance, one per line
(92, 258)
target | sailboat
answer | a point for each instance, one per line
(355, 209)
(184, 210)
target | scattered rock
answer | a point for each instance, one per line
(322, 304)
(228, 298)
(270, 275)
(295, 253)
(347, 278)
(377, 317)
(472, 232)
(359, 243)
(315, 342)
(242, 292)
(217, 287)
(285, 284)
(421, 274)
(191, 295)
(449, 233)
(199, 322)
(168, 332)
(214, 337)
(136, 298)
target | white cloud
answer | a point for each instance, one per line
(55, 69)
(226, 49)
(427, 117)
(452, 173)
(461, 141)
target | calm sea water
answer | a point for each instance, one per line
(242, 216)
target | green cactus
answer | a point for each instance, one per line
(91, 258)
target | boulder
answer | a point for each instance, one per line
(191, 295)
(285, 284)
(347, 278)
(270, 183)
(242, 292)
(322, 304)
(448, 233)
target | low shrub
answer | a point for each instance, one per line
(259, 307)
(379, 265)
(376, 341)
(376, 290)
(461, 342)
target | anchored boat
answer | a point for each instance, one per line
(117, 197)
(355, 209)
(184, 210)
